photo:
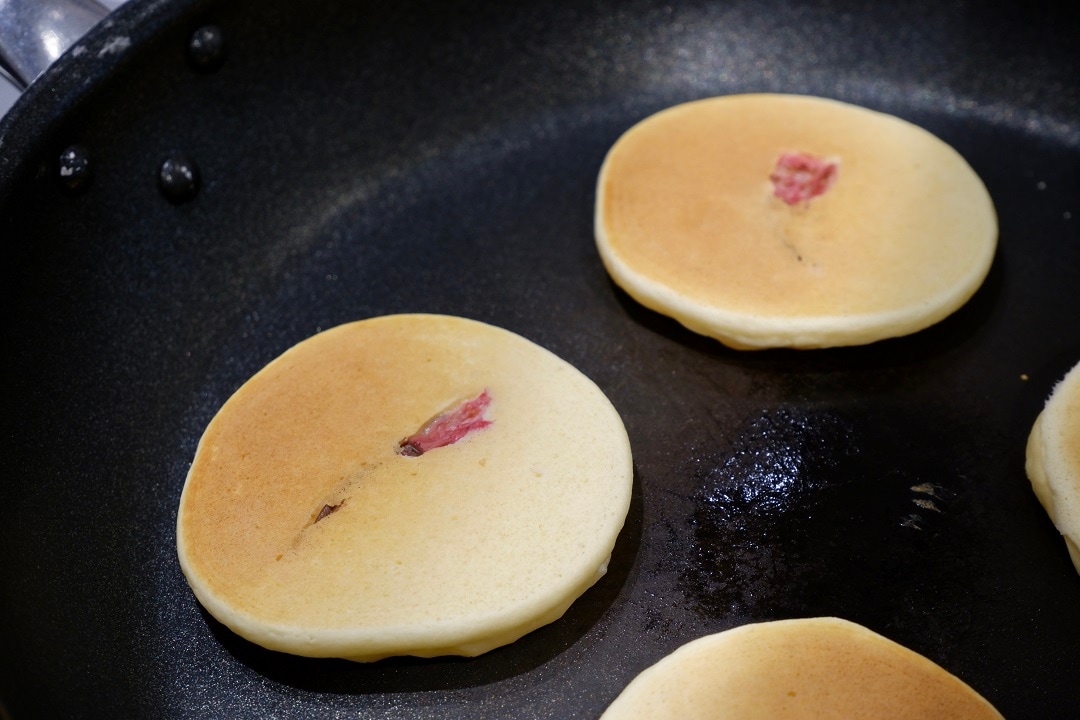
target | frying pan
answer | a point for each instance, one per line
(358, 159)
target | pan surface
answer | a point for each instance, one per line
(363, 159)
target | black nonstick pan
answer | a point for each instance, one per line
(356, 159)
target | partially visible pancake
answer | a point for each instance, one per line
(793, 669)
(1053, 460)
(792, 221)
(322, 517)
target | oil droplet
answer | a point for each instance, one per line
(178, 178)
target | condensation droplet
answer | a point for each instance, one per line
(75, 169)
(206, 48)
(178, 178)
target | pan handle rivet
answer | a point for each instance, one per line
(178, 178)
(206, 48)
(74, 168)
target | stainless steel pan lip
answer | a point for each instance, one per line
(76, 72)
(33, 33)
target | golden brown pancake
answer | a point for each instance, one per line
(797, 669)
(792, 221)
(1053, 460)
(405, 485)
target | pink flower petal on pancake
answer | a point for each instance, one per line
(799, 177)
(448, 427)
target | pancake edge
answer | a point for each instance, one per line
(1048, 474)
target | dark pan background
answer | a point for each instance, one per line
(359, 159)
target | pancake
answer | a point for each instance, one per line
(1053, 460)
(809, 668)
(792, 221)
(405, 485)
